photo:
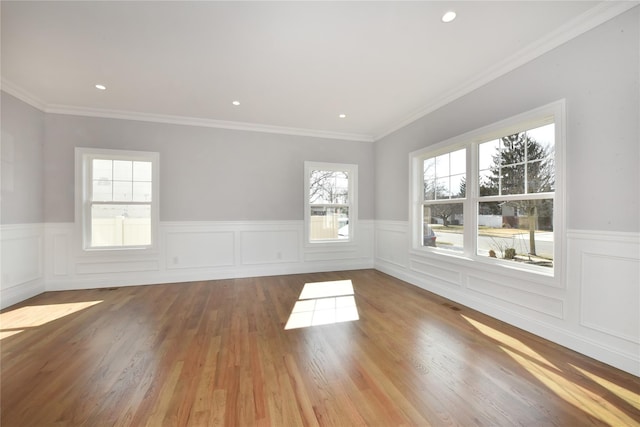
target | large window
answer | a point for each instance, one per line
(330, 201)
(117, 198)
(492, 195)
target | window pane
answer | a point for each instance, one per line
(443, 226)
(513, 149)
(487, 154)
(141, 191)
(521, 231)
(328, 187)
(102, 191)
(458, 186)
(120, 225)
(488, 184)
(540, 176)
(430, 189)
(329, 223)
(512, 179)
(122, 191)
(429, 169)
(102, 170)
(545, 136)
(459, 162)
(521, 163)
(445, 176)
(122, 170)
(429, 173)
(442, 165)
(142, 171)
(442, 188)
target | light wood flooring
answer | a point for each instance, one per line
(217, 353)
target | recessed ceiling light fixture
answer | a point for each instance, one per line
(342, 116)
(449, 16)
(101, 87)
(236, 103)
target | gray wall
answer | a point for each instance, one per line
(206, 174)
(598, 74)
(22, 151)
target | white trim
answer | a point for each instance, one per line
(588, 20)
(22, 95)
(201, 250)
(613, 236)
(211, 123)
(22, 258)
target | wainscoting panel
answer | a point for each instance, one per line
(607, 269)
(439, 272)
(116, 266)
(21, 251)
(199, 249)
(193, 251)
(608, 299)
(392, 243)
(593, 308)
(516, 297)
(270, 246)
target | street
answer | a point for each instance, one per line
(519, 241)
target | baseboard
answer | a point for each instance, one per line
(19, 293)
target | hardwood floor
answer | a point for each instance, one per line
(217, 353)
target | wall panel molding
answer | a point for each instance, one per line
(201, 250)
(606, 272)
(22, 267)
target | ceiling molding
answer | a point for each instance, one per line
(22, 95)
(572, 29)
(211, 123)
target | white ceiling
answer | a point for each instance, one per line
(294, 66)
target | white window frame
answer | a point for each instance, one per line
(83, 188)
(554, 112)
(352, 204)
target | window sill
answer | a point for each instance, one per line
(543, 275)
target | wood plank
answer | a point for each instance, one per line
(216, 353)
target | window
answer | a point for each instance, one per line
(330, 201)
(516, 192)
(444, 192)
(502, 182)
(117, 198)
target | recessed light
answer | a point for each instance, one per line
(236, 103)
(342, 116)
(449, 16)
(101, 87)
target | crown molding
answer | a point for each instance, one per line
(211, 123)
(22, 95)
(572, 29)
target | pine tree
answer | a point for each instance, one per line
(522, 166)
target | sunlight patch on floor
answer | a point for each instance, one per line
(13, 322)
(627, 395)
(555, 380)
(571, 392)
(324, 303)
(509, 341)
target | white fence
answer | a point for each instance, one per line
(121, 231)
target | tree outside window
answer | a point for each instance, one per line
(517, 179)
